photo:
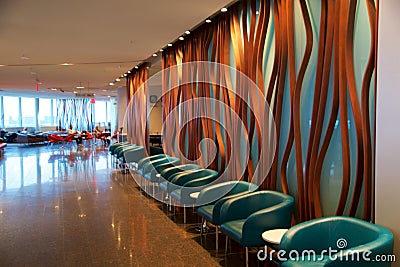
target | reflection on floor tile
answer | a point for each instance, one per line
(71, 207)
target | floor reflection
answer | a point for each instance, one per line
(71, 207)
(24, 166)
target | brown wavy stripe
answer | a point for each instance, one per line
(297, 100)
(365, 94)
(313, 142)
(374, 104)
(228, 96)
(207, 124)
(292, 84)
(258, 57)
(239, 60)
(253, 55)
(242, 109)
(308, 184)
(138, 110)
(343, 110)
(322, 106)
(355, 105)
(272, 83)
(280, 89)
(251, 72)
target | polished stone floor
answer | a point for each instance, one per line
(71, 207)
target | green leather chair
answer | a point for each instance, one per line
(184, 183)
(196, 181)
(150, 168)
(131, 155)
(211, 199)
(167, 173)
(112, 147)
(346, 235)
(143, 162)
(117, 149)
(246, 217)
(139, 171)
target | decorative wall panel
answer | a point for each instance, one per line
(313, 62)
(136, 112)
(75, 113)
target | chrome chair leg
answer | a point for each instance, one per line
(226, 245)
(216, 238)
(247, 256)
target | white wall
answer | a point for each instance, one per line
(156, 119)
(122, 104)
(388, 121)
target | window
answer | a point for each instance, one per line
(100, 109)
(11, 111)
(28, 112)
(45, 115)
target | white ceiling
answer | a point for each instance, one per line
(102, 38)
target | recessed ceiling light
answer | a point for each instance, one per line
(129, 71)
(224, 9)
(53, 89)
(75, 92)
(136, 67)
(66, 64)
(109, 96)
(154, 55)
(169, 44)
(111, 84)
(161, 50)
(208, 20)
(181, 38)
(187, 32)
(80, 87)
(118, 79)
(125, 74)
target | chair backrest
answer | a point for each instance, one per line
(184, 177)
(167, 173)
(217, 191)
(144, 161)
(324, 233)
(151, 165)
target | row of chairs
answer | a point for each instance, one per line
(243, 213)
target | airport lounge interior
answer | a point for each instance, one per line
(199, 133)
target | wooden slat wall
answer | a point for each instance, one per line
(136, 114)
(242, 32)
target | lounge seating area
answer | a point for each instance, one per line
(218, 133)
(245, 214)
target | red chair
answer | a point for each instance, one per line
(54, 139)
(69, 139)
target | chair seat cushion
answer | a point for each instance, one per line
(233, 229)
(206, 212)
